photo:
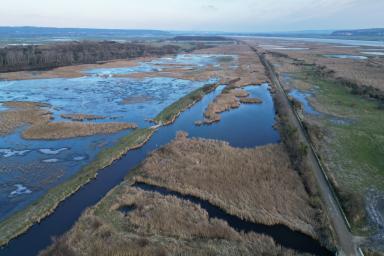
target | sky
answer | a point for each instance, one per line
(196, 15)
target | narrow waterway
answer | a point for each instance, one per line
(248, 126)
(280, 233)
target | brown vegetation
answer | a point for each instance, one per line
(64, 130)
(221, 103)
(22, 113)
(81, 117)
(24, 104)
(271, 191)
(245, 68)
(366, 73)
(249, 70)
(256, 184)
(230, 98)
(251, 101)
(157, 225)
(41, 127)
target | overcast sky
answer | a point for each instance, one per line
(214, 15)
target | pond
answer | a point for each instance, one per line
(374, 53)
(346, 56)
(302, 97)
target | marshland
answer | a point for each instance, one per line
(192, 145)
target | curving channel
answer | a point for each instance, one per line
(238, 127)
(282, 235)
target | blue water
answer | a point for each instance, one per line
(26, 172)
(281, 234)
(247, 126)
(181, 61)
(101, 96)
(346, 56)
(329, 41)
(302, 97)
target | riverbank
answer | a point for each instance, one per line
(137, 220)
(21, 221)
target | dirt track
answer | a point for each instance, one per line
(345, 239)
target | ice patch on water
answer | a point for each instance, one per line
(20, 189)
(51, 160)
(374, 53)
(5, 152)
(79, 158)
(49, 151)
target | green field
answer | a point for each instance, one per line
(353, 143)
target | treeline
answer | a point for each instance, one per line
(201, 38)
(33, 57)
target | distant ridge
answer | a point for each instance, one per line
(13, 32)
(360, 32)
(201, 38)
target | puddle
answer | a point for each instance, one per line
(340, 121)
(125, 209)
(346, 56)
(278, 47)
(302, 97)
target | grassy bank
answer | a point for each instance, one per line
(350, 141)
(170, 113)
(355, 153)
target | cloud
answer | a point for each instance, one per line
(225, 15)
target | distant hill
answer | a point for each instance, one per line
(76, 33)
(201, 38)
(377, 32)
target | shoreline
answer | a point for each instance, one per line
(21, 221)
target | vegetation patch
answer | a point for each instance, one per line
(22, 113)
(64, 130)
(172, 226)
(230, 98)
(170, 113)
(205, 169)
(41, 127)
(251, 101)
(81, 117)
(351, 151)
